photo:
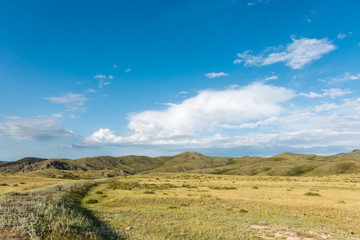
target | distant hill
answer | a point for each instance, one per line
(284, 164)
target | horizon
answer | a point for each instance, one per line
(222, 78)
(269, 156)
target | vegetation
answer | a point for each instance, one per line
(230, 207)
(52, 213)
(285, 164)
(187, 196)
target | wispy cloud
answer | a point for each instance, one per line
(215, 75)
(103, 83)
(274, 77)
(72, 101)
(115, 66)
(332, 92)
(341, 36)
(35, 129)
(127, 70)
(296, 54)
(346, 77)
(252, 3)
(100, 76)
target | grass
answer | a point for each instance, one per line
(51, 213)
(181, 206)
(230, 207)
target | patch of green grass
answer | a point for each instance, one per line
(91, 201)
(312, 194)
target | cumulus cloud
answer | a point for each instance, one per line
(35, 129)
(201, 113)
(72, 101)
(332, 92)
(250, 116)
(215, 75)
(296, 54)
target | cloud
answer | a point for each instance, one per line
(183, 92)
(102, 84)
(215, 75)
(111, 77)
(270, 78)
(257, 2)
(115, 66)
(296, 54)
(332, 92)
(35, 129)
(100, 76)
(127, 70)
(341, 36)
(201, 113)
(347, 77)
(90, 90)
(236, 124)
(72, 101)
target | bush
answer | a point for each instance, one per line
(312, 194)
(4, 184)
(91, 201)
(149, 192)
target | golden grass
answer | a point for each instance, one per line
(231, 207)
(196, 206)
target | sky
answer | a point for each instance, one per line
(219, 77)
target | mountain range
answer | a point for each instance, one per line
(284, 164)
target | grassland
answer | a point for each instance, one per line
(178, 206)
(183, 206)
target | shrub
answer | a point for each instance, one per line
(91, 201)
(312, 194)
(99, 192)
(149, 192)
(4, 184)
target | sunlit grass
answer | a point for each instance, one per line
(218, 207)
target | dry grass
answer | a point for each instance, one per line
(229, 207)
(186, 206)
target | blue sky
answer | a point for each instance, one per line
(222, 77)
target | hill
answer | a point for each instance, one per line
(284, 164)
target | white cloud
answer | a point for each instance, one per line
(341, 36)
(296, 55)
(90, 90)
(270, 78)
(325, 126)
(347, 77)
(102, 84)
(35, 129)
(127, 70)
(215, 75)
(183, 92)
(111, 77)
(203, 112)
(72, 101)
(100, 76)
(332, 92)
(115, 66)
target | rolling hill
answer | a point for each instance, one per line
(284, 164)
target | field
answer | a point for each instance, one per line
(197, 206)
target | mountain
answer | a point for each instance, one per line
(284, 164)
